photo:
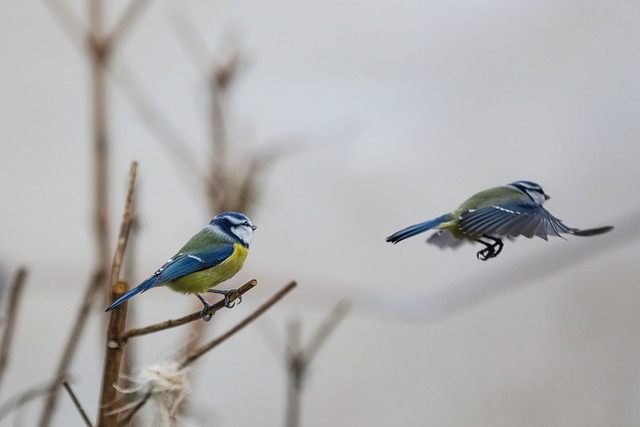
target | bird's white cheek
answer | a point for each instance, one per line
(244, 233)
(537, 197)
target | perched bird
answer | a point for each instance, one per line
(490, 215)
(212, 256)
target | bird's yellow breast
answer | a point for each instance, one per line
(203, 280)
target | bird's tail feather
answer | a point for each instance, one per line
(418, 228)
(140, 288)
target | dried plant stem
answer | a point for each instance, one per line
(76, 403)
(14, 301)
(113, 356)
(253, 316)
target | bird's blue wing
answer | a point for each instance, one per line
(187, 263)
(516, 219)
(178, 266)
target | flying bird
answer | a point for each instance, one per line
(491, 215)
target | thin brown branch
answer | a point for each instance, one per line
(192, 42)
(125, 228)
(12, 316)
(113, 356)
(253, 316)
(76, 403)
(127, 20)
(298, 358)
(67, 20)
(91, 290)
(126, 336)
(215, 342)
(26, 396)
(295, 373)
(159, 126)
(326, 328)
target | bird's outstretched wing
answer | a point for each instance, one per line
(517, 219)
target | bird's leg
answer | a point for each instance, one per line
(227, 302)
(206, 317)
(491, 250)
(497, 246)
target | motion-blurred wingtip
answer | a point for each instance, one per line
(593, 231)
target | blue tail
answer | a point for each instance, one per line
(418, 228)
(135, 291)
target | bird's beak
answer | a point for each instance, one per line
(253, 227)
(547, 197)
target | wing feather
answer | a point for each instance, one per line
(517, 219)
(183, 264)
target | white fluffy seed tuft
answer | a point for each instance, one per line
(165, 385)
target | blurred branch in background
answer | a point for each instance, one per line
(15, 294)
(253, 316)
(99, 44)
(299, 358)
(16, 402)
(92, 289)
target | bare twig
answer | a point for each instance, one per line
(113, 356)
(100, 54)
(91, 290)
(192, 42)
(67, 20)
(295, 373)
(76, 403)
(325, 329)
(182, 320)
(253, 316)
(159, 125)
(213, 343)
(128, 18)
(27, 396)
(12, 316)
(299, 358)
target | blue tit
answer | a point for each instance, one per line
(213, 255)
(490, 215)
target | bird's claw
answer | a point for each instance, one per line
(486, 254)
(227, 301)
(206, 316)
(227, 294)
(490, 250)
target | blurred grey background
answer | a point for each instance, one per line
(402, 109)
